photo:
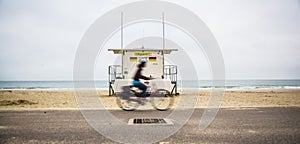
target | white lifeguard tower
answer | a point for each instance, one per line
(122, 74)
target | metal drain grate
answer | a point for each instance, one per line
(149, 121)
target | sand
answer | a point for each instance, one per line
(62, 99)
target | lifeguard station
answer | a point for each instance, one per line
(121, 75)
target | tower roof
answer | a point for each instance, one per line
(119, 51)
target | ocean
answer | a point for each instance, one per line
(184, 84)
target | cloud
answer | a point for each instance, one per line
(38, 39)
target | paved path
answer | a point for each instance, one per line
(253, 125)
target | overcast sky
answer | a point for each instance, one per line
(258, 39)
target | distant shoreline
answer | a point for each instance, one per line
(66, 99)
(201, 89)
(182, 84)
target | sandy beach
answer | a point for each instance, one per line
(62, 99)
(59, 99)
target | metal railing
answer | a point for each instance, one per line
(170, 72)
(114, 72)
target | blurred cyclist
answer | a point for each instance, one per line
(136, 79)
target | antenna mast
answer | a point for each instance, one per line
(122, 43)
(143, 40)
(121, 30)
(163, 24)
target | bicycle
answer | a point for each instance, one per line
(130, 98)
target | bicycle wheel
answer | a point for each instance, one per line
(127, 102)
(162, 100)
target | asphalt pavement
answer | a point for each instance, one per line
(248, 125)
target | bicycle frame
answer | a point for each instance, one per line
(128, 102)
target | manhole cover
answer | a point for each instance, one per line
(149, 121)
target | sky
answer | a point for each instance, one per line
(258, 39)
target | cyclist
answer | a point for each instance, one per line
(136, 79)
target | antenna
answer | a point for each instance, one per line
(122, 42)
(163, 24)
(121, 30)
(143, 40)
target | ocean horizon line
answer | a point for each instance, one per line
(177, 80)
(185, 84)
